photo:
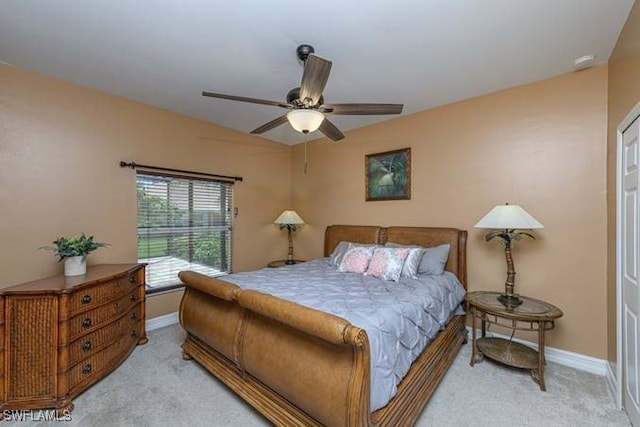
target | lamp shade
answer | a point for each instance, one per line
(508, 217)
(289, 217)
(304, 120)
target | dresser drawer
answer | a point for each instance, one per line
(91, 320)
(95, 341)
(99, 364)
(93, 296)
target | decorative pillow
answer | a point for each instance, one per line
(434, 259)
(387, 263)
(356, 260)
(338, 253)
(411, 264)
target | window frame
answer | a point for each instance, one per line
(224, 193)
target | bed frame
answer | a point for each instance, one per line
(300, 366)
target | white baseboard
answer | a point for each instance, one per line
(562, 357)
(612, 384)
(162, 321)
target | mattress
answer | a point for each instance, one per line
(400, 318)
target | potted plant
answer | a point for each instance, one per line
(73, 251)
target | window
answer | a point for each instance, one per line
(184, 223)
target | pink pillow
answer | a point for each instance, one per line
(387, 263)
(356, 259)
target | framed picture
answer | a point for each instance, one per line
(388, 175)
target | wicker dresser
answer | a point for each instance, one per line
(60, 335)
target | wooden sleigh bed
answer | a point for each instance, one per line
(300, 366)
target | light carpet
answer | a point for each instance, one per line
(156, 387)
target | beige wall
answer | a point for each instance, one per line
(541, 146)
(623, 95)
(60, 146)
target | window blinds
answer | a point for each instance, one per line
(184, 223)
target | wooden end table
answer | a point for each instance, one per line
(532, 315)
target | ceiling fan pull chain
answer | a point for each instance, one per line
(306, 138)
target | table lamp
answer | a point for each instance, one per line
(506, 220)
(290, 220)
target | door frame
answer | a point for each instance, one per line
(624, 124)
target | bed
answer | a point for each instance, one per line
(301, 366)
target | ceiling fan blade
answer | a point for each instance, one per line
(330, 130)
(249, 100)
(270, 125)
(362, 109)
(314, 79)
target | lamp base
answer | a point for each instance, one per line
(509, 301)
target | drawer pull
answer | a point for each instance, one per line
(86, 346)
(134, 333)
(86, 323)
(86, 299)
(134, 315)
(133, 298)
(86, 368)
(133, 280)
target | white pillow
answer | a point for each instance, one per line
(433, 259)
(411, 264)
(338, 253)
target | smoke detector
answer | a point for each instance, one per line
(584, 62)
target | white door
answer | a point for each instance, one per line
(630, 246)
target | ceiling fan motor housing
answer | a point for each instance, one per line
(293, 97)
(303, 51)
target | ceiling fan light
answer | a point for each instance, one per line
(305, 120)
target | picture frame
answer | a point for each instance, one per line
(388, 175)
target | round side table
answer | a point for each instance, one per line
(532, 315)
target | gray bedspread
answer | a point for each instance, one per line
(400, 318)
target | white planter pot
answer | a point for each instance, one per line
(75, 266)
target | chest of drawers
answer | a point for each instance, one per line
(60, 335)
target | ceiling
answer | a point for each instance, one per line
(422, 53)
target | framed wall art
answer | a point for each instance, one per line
(388, 175)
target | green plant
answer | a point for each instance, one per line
(67, 247)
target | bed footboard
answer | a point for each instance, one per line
(296, 365)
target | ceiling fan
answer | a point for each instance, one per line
(306, 103)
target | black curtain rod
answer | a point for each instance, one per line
(134, 165)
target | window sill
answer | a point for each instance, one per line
(164, 289)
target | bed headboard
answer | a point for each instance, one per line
(423, 236)
(335, 234)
